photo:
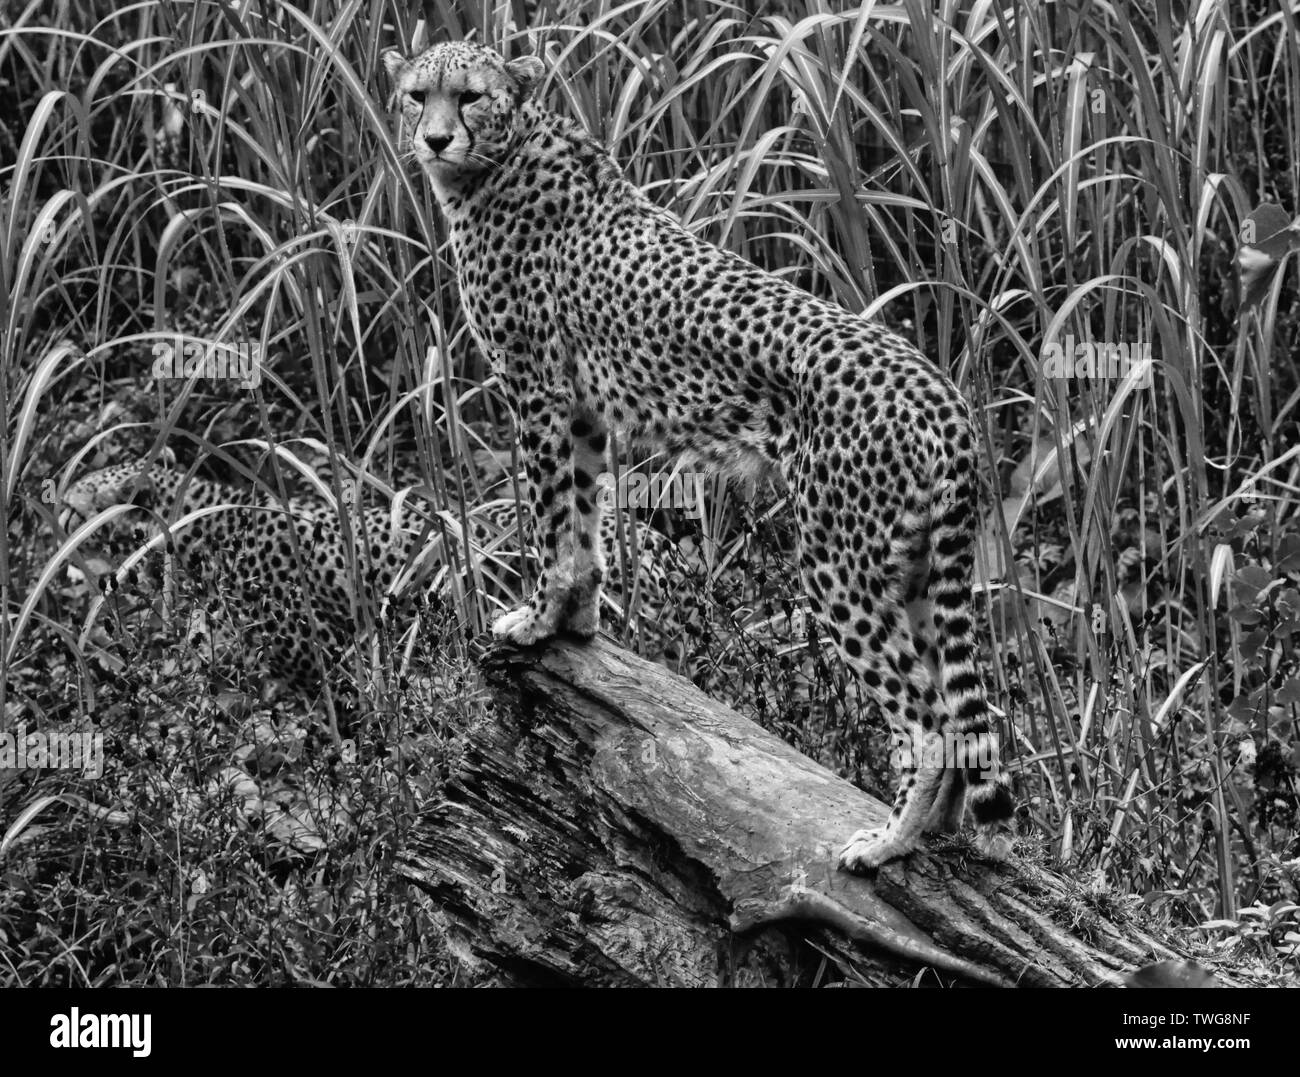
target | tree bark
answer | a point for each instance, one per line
(612, 825)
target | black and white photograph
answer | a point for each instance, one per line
(662, 494)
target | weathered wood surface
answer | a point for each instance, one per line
(612, 825)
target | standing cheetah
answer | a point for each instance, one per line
(601, 314)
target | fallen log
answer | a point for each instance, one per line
(612, 825)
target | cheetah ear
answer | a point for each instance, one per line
(527, 71)
(394, 63)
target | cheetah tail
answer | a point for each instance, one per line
(953, 523)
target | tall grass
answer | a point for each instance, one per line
(985, 178)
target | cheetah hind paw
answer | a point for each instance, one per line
(522, 626)
(869, 849)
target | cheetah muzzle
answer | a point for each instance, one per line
(601, 314)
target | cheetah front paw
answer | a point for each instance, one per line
(995, 840)
(522, 626)
(869, 849)
(582, 618)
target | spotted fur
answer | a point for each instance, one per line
(254, 541)
(600, 314)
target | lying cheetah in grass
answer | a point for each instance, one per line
(601, 314)
(253, 540)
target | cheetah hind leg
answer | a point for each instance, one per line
(867, 850)
(890, 656)
(901, 686)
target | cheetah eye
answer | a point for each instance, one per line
(469, 97)
(416, 95)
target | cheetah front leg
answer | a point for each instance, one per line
(544, 418)
(590, 438)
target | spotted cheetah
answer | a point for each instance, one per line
(601, 314)
(253, 540)
(252, 536)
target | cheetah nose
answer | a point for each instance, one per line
(438, 143)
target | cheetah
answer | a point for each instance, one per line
(252, 538)
(601, 314)
(252, 534)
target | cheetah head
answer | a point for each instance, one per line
(460, 105)
(120, 484)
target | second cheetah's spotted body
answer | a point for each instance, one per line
(254, 539)
(254, 542)
(601, 314)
